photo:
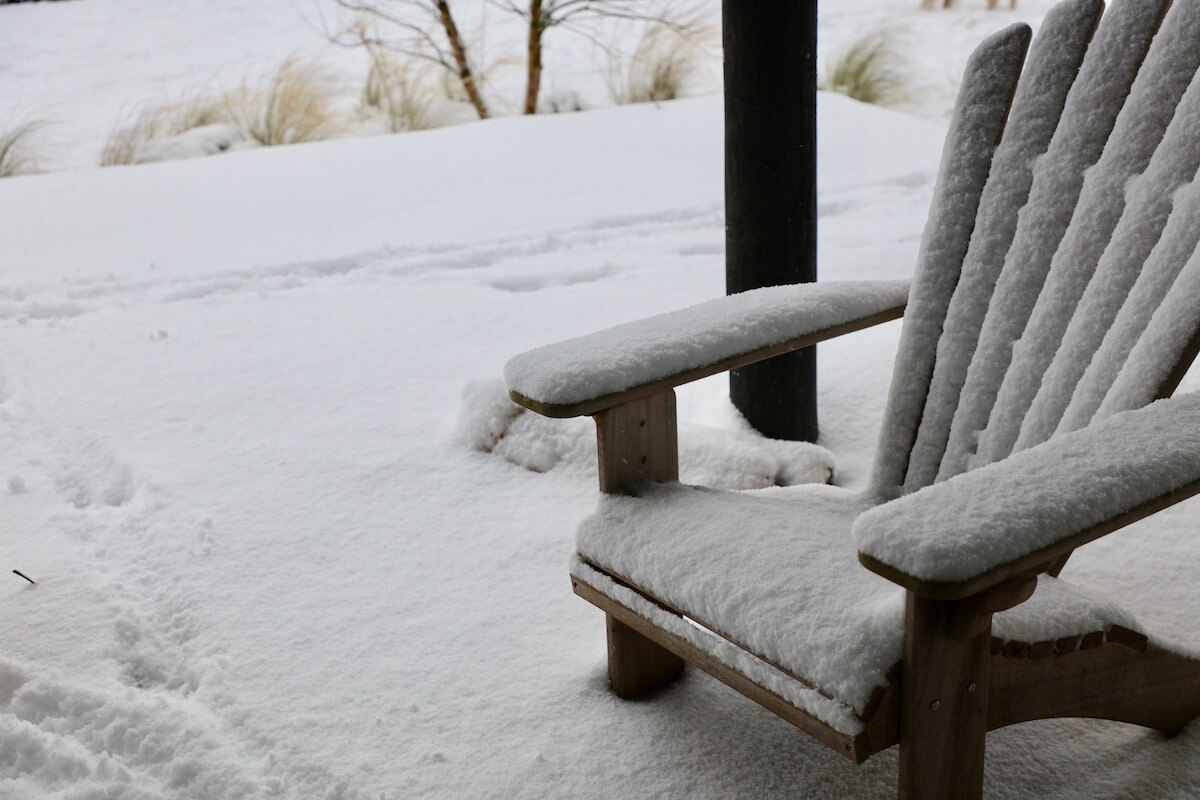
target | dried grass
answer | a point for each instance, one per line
(401, 90)
(128, 143)
(665, 60)
(296, 104)
(872, 70)
(17, 155)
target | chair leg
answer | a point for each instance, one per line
(943, 705)
(636, 665)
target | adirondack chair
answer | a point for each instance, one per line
(1052, 315)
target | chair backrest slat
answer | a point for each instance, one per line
(975, 130)
(1050, 70)
(1177, 245)
(1069, 172)
(1059, 271)
(1167, 346)
(1153, 152)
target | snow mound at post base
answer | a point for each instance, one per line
(737, 459)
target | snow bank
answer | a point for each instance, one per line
(310, 557)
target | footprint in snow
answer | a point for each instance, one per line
(913, 180)
(536, 281)
(108, 741)
(702, 249)
(93, 477)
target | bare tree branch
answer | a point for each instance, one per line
(418, 18)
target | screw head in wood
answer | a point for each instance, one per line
(935, 705)
(971, 688)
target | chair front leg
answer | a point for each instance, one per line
(943, 700)
(636, 665)
(637, 441)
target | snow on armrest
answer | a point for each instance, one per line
(1006, 519)
(589, 373)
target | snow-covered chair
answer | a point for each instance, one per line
(1052, 315)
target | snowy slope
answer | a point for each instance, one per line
(237, 478)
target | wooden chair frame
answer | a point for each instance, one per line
(956, 682)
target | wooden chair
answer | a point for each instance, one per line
(1052, 315)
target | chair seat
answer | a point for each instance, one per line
(775, 571)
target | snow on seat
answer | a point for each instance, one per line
(776, 572)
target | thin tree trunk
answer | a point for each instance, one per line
(536, 28)
(460, 58)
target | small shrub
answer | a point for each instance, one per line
(17, 155)
(663, 62)
(126, 141)
(131, 143)
(400, 90)
(870, 70)
(295, 105)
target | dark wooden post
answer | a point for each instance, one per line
(771, 191)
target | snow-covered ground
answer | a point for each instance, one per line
(269, 562)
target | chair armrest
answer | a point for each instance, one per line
(590, 373)
(1010, 519)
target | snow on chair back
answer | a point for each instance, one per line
(1106, 134)
(1127, 199)
(1044, 96)
(975, 129)
(1088, 183)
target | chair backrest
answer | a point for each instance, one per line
(1059, 278)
